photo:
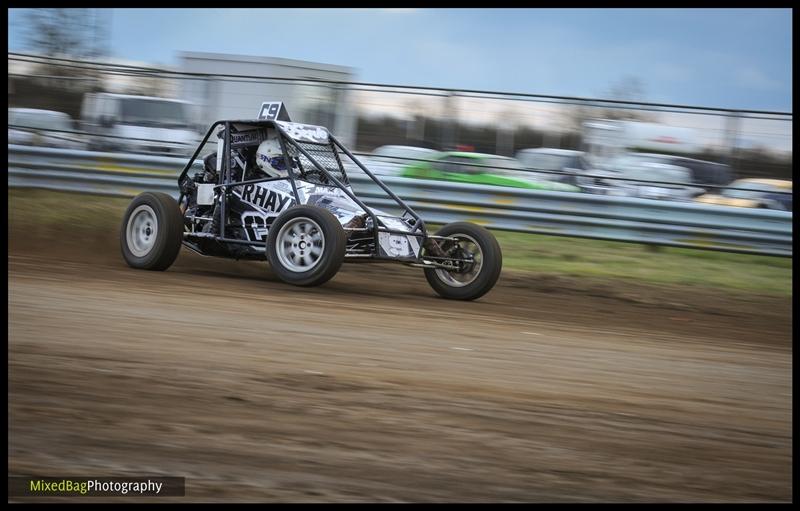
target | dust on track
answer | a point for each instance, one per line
(372, 389)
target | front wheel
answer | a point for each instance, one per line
(306, 246)
(151, 231)
(481, 262)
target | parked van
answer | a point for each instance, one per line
(46, 128)
(139, 124)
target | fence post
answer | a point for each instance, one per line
(732, 133)
(450, 138)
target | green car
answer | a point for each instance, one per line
(479, 168)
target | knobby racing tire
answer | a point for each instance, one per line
(151, 232)
(306, 246)
(481, 276)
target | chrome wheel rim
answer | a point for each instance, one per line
(142, 230)
(300, 244)
(460, 279)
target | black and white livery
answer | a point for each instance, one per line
(278, 190)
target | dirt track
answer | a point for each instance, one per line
(372, 389)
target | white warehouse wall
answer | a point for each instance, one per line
(218, 97)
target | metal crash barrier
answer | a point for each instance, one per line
(677, 224)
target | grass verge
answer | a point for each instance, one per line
(44, 213)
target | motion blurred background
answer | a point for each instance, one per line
(488, 81)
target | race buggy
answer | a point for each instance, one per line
(278, 190)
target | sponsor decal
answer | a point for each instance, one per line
(256, 226)
(266, 199)
(394, 245)
(305, 132)
(247, 138)
(282, 187)
(343, 209)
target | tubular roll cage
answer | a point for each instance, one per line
(418, 230)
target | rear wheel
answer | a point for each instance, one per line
(306, 246)
(151, 231)
(481, 263)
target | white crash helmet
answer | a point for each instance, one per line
(269, 158)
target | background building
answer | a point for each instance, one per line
(221, 97)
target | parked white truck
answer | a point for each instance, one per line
(606, 140)
(627, 151)
(139, 124)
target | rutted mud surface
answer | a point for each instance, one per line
(372, 389)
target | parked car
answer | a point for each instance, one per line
(48, 128)
(139, 124)
(701, 172)
(655, 181)
(753, 193)
(389, 160)
(391, 153)
(637, 175)
(563, 162)
(480, 168)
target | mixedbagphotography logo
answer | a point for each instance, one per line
(33, 486)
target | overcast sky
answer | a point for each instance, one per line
(729, 58)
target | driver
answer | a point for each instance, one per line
(269, 158)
